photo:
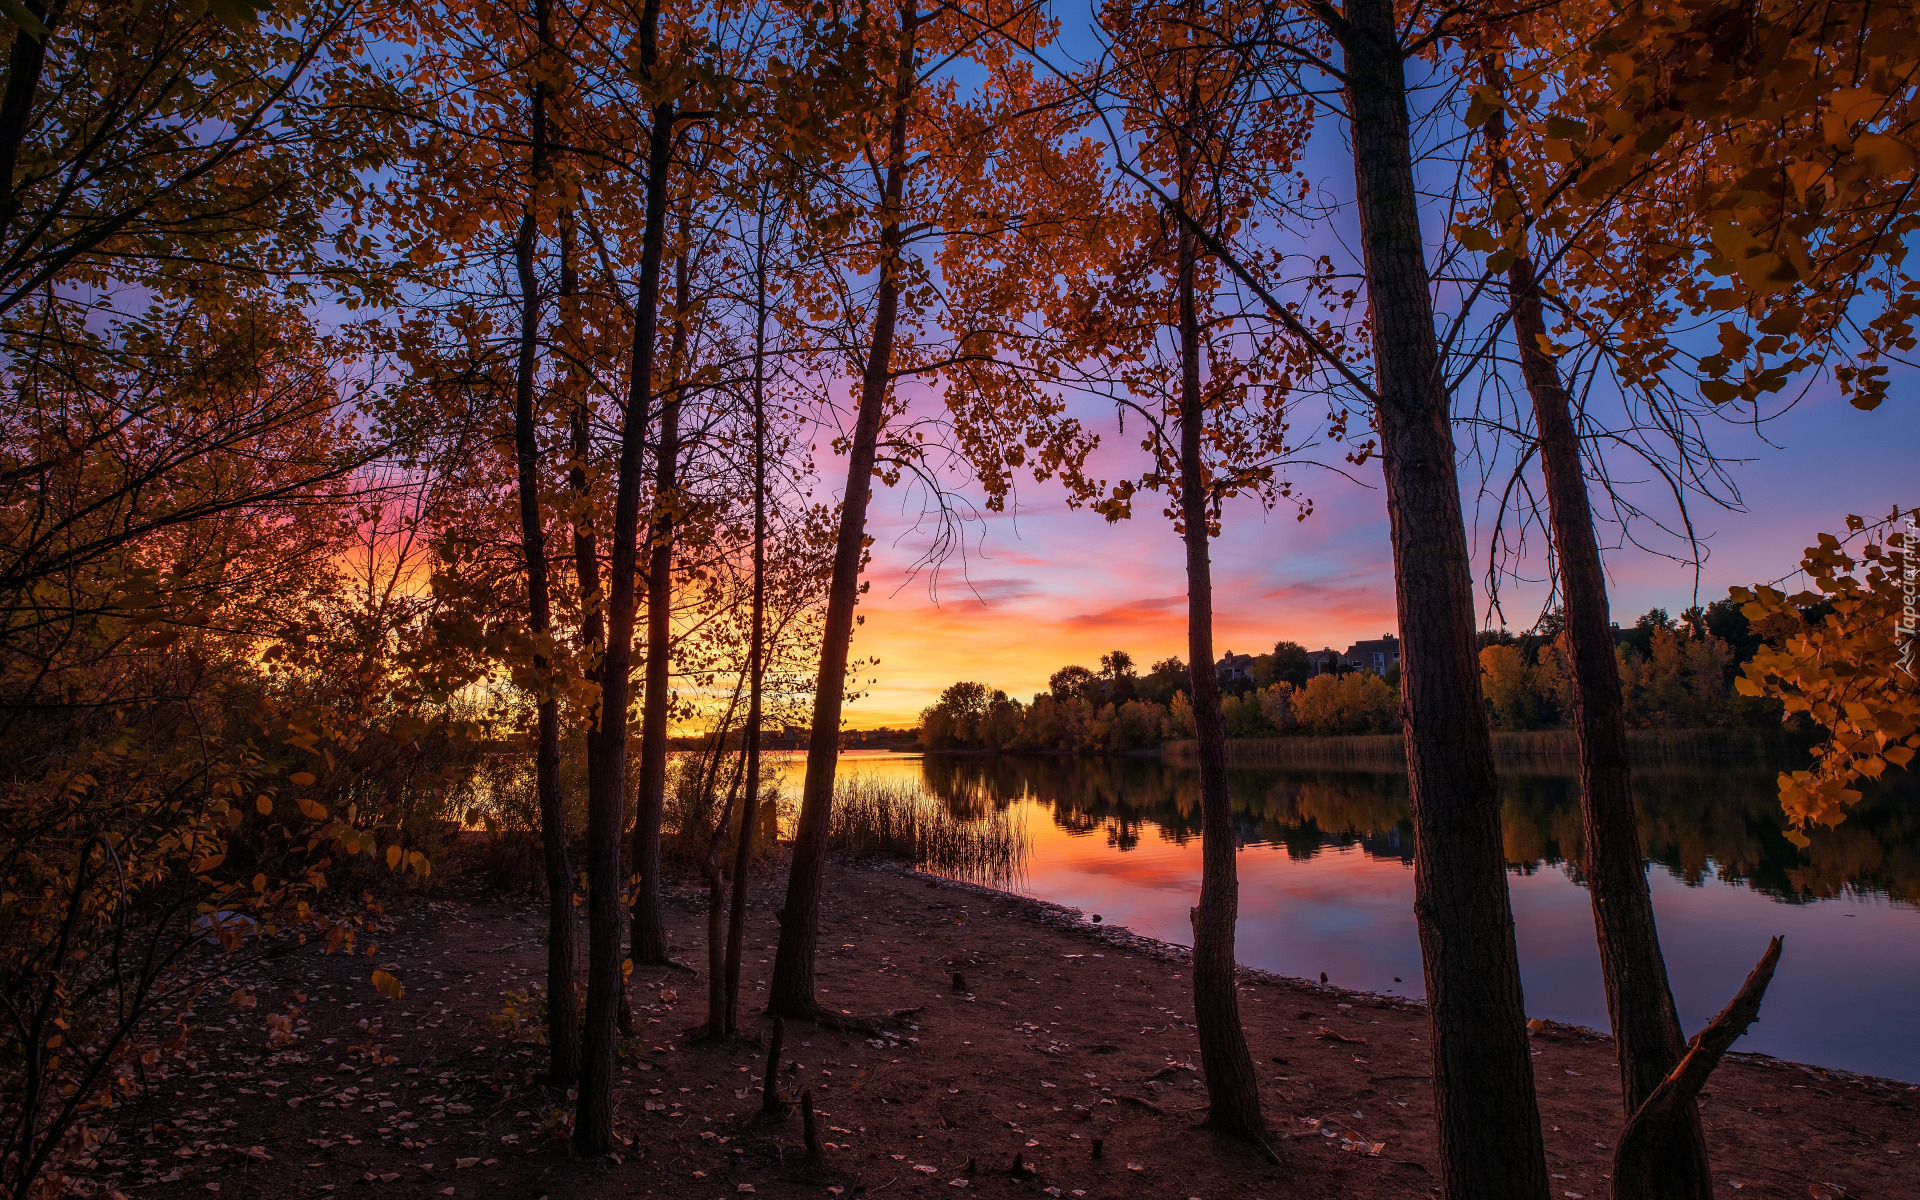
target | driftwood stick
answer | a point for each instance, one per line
(1644, 1142)
(770, 1102)
(808, 1133)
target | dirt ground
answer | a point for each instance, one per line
(1069, 1052)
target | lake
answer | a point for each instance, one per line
(1326, 883)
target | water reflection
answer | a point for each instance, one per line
(1325, 883)
(1710, 821)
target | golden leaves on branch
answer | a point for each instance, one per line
(1834, 653)
(1693, 160)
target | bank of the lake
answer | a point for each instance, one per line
(1067, 1036)
(1326, 883)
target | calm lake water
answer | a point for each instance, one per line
(1326, 884)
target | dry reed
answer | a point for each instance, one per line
(883, 819)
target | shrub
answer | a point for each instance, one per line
(1360, 702)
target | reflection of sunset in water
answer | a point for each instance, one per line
(1325, 885)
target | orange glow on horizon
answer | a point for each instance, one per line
(1014, 633)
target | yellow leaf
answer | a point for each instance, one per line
(302, 779)
(312, 810)
(1474, 238)
(393, 858)
(1883, 155)
(263, 805)
(388, 985)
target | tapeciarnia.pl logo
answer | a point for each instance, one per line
(1907, 624)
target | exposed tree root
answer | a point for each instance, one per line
(826, 1018)
(1263, 1142)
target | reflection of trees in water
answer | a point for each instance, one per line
(1715, 819)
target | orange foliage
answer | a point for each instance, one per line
(1849, 671)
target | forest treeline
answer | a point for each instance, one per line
(1675, 673)
(388, 382)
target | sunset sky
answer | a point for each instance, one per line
(1043, 586)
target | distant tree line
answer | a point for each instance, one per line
(1674, 674)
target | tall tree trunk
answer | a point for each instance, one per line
(791, 994)
(563, 1027)
(649, 934)
(1233, 1093)
(1646, 1029)
(607, 737)
(756, 648)
(1488, 1117)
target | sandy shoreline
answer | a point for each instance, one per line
(1073, 920)
(1069, 1035)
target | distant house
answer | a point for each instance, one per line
(1324, 662)
(1234, 667)
(1375, 655)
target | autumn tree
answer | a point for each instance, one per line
(914, 177)
(169, 147)
(474, 104)
(1490, 1140)
(1637, 178)
(1489, 1129)
(563, 1034)
(188, 456)
(1160, 336)
(607, 732)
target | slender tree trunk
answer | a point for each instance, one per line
(25, 63)
(649, 934)
(586, 551)
(717, 911)
(792, 994)
(563, 1027)
(1233, 1093)
(756, 649)
(607, 738)
(1485, 1107)
(1646, 1029)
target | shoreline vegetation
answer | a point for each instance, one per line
(1677, 684)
